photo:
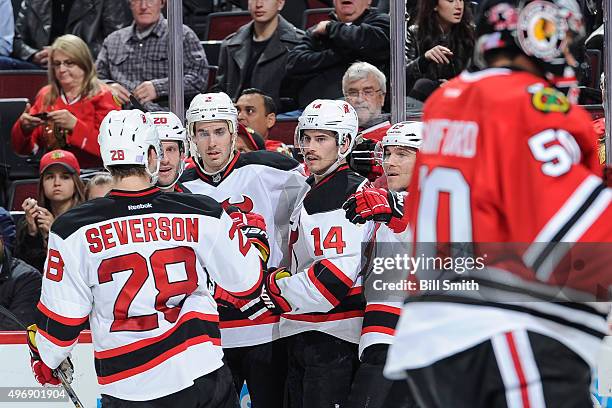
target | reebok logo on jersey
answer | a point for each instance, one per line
(139, 206)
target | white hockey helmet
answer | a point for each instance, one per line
(407, 134)
(126, 136)
(326, 114)
(210, 107)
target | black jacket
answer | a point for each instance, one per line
(320, 63)
(417, 66)
(19, 291)
(32, 249)
(92, 20)
(269, 70)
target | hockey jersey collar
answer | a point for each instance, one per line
(311, 180)
(138, 193)
(216, 179)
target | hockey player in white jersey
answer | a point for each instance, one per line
(321, 297)
(136, 264)
(173, 138)
(396, 153)
(262, 182)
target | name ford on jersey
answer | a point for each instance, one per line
(450, 138)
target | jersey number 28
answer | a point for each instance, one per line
(137, 265)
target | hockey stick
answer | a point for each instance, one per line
(58, 373)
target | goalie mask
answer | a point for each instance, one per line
(338, 117)
(126, 137)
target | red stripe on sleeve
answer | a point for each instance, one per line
(68, 321)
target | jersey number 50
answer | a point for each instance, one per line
(137, 264)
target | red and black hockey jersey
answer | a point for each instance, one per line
(515, 172)
(325, 291)
(268, 184)
(138, 266)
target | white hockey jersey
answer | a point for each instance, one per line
(137, 265)
(383, 302)
(325, 291)
(268, 184)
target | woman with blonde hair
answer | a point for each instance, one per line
(68, 111)
(59, 189)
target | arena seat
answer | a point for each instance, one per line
(19, 191)
(316, 4)
(212, 49)
(224, 23)
(283, 130)
(314, 16)
(212, 75)
(22, 83)
(17, 167)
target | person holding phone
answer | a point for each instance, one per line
(67, 112)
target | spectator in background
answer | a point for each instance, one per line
(441, 43)
(19, 288)
(364, 87)
(66, 113)
(256, 54)
(134, 60)
(7, 30)
(59, 189)
(257, 111)
(7, 229)
(40, 22)
(249, 140)
(98, 186)
(355, 32)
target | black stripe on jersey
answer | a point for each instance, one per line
(565, 229)
(180, 188)
(135, 358)
(111, 207)
(260, 157)
(514, 307)
(333, 191)
(380, 318)
(58, 330)
(350, 303)
(329, 283)
(267, 158)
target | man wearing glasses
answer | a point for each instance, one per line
(134, 60)
(364, 87)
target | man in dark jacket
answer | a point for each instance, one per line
(19, 285)
(255, 56)
(355, 32)
(40, 22)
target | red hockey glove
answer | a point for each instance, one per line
(376, 204)
(42, 373)
(363, 160)
(253, 226)
(270, 292)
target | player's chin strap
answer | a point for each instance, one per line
(59, 373)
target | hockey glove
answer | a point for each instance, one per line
(42, 373)
(270, 292)
(377, 205)
(363, 161)
(254, 227)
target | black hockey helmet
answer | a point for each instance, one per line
(547, 31)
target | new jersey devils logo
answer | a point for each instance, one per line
(246, 205)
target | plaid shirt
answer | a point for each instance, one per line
(129, 61)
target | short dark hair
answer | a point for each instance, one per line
(120, 171)
(268, 101)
